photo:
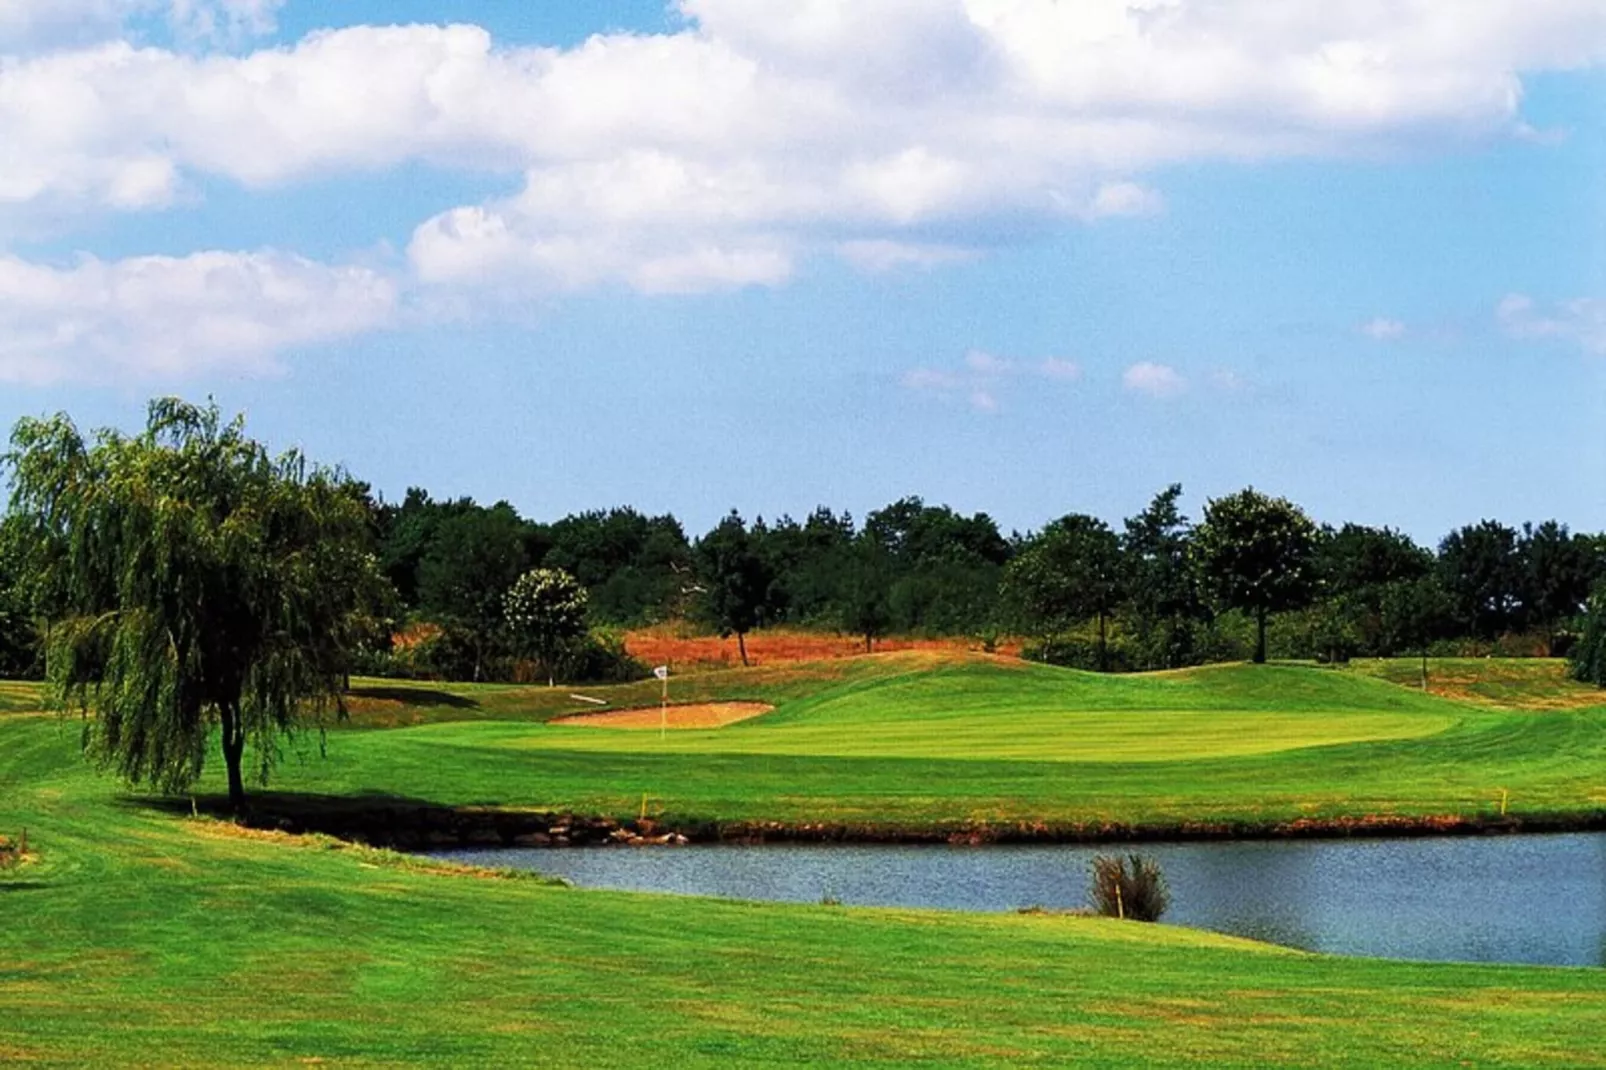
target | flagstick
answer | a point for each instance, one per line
(663, 710)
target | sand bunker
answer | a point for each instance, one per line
(701, 715)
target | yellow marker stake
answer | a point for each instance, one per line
(1504, 794)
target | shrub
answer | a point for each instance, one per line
(1073, 651)
(1131, 887)
(600, 658)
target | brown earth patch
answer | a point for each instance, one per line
(698, 715)
(671, 645)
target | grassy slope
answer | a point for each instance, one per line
(907, 739)
(1506, 683)
(141, 938)
(144, 938)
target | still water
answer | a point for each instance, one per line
(1532, 899)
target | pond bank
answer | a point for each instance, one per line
(417, 825)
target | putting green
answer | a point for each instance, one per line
(999, 710)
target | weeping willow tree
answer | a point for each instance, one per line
(1588, 656)
(191, 582)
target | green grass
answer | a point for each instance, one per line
(144, 937)
(913, 740)
(982, 709)
(1508, 683)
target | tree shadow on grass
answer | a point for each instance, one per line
(382, 820)
(413, 696)
(20, 886)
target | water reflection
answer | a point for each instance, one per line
(1532, 899)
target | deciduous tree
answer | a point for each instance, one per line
(1162, 587)
(1256, 553)
(545, 610)
(1069, 573)
(1483, 572)
(735, 580)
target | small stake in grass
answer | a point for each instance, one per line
(1504, 795)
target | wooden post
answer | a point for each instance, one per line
(1120, 906)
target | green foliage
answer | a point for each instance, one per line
(545, 612)
(1482, 570)
(945, 567)
(1257, 553)
(599, 657)
(1587, 659)
(1070, 650)
(1132, 888)
(190, 581)
(1069, 573)
(865, 599)
(735, 578)
(632, 565)
(1166, 610)
(1559, 571)
(19, 640)
(472, 559)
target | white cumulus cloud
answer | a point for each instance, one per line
(167, 317)
(892, 132)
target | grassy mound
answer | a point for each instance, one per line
(911, 740)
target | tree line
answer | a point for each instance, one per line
(1252, 576)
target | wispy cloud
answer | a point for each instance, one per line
(981, 377)
(983, 363)
(1155, 380)
(881, 257)
(1382, 329)
(1581, 321)
(1066, 371)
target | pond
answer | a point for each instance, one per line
(1527, 899)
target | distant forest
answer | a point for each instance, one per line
(1250, 577)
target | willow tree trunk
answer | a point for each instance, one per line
(1260, 636)
(233, 752)
(741, 646)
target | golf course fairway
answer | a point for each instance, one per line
(138, 934)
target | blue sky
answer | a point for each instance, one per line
(1021, 257)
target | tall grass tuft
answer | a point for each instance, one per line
(1131, 887)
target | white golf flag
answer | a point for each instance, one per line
(662, 672)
